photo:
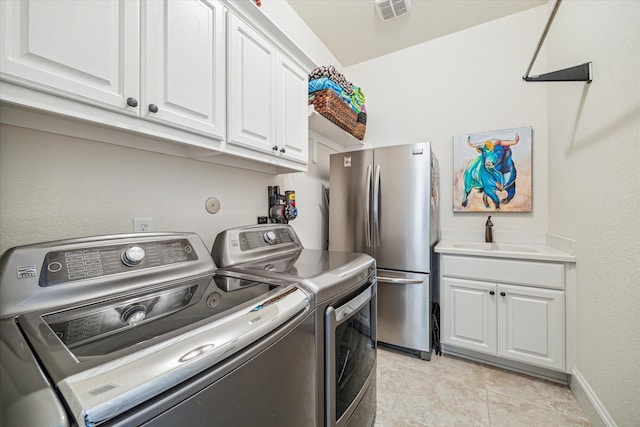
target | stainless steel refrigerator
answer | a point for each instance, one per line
(384, 202)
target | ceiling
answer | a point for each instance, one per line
(353, 32)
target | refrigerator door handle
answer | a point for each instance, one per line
(367, 215)
(382, 279)
(376, 206)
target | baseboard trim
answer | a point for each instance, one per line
(512, 365)
(591, 404)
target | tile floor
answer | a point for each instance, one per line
(450, 391)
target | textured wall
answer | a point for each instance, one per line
(54, 187)
(593, 161)
(467, 82)
(312, 223)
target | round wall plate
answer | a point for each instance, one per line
(212, 205)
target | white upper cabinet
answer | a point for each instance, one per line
(88, 50)
(293, 128)
(184, 65)
(252, 76)
(169, 70)
(267, 96)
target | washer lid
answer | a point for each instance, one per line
(97, 387)
(252, 250)
(325, 273)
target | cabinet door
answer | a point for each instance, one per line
(251, 97)
(184, 73)
(531, 325)
(469, 315)
(293, 116)
(85, 50)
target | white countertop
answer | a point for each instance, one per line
(532, 251)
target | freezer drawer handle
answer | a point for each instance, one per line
(399, 281)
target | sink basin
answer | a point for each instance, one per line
(505, 247)
(516, 249)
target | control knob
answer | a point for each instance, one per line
(134, 314)
(132, 256)
(270, 237)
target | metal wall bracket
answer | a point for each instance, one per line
(579, 73)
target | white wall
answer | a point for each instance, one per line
(470, 81)
(290, 23)
(585, 157)
(312, 224)
(585, 163)
(54, 187)
(594, 150)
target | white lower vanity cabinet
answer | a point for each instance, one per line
(511, 309)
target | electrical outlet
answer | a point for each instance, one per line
(142, 225)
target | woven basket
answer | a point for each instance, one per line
(331, 106)
(359, 130)
(361, 126)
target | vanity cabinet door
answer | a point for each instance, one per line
(84, 50)
(184, 80)
(469, 311)
(531, 325)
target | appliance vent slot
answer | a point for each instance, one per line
(390, 9)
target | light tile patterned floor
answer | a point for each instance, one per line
(450, 391)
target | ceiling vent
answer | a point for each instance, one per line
(389, 9)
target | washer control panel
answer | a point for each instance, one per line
(67, 266)
(258, 239)
(133, 256)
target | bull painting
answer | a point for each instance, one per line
(489, 177)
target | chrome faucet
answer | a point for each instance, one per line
(488, 232)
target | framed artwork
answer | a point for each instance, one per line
(492, 171)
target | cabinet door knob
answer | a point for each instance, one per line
(275, 148)
(491, 293)
(502, 294)
(282, 150)
(153, 108)
(132, 102)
